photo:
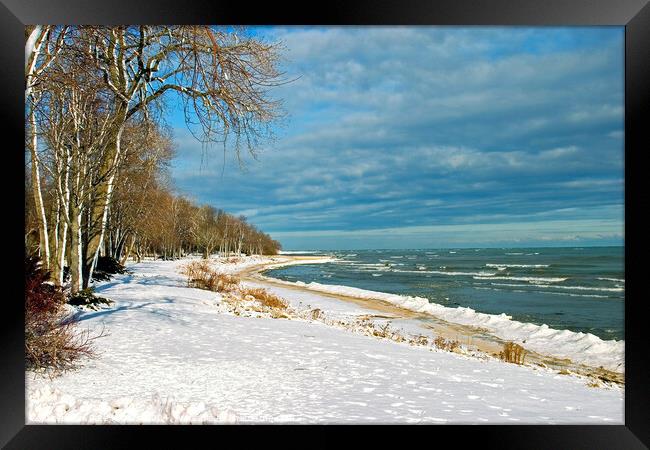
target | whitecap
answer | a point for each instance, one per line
(529, 279)
(570, 288)
(517, 265)
(616, 280)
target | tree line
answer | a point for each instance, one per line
(97, 148)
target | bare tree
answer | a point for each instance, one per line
(116, 75)
(41, 48)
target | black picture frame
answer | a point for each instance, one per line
(633, 14)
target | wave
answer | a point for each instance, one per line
(571, 288)
(580, 347)
(442, 272)
(565, 294)
(529, 279)
(517, 265)
(616, 280)
(579, 295)
(360, 264)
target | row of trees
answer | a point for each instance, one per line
(157, 223)
(97, 147)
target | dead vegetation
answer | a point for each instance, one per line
(52, 342)
(240, 300)
(444, 344)
(264, 297)
(202, 276)
(513, 353)
(419, 339)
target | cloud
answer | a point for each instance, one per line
(394, 126)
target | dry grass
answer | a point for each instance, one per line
(200, 275)
(445, 344)
(513, 353)
(264, 297)
(382, 331)
(419, 339)
(595, 383)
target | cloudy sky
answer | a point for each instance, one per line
(427, 137)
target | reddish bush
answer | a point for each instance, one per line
(51, 342)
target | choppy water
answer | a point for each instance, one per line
(579, 289)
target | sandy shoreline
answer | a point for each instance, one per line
(476, 339)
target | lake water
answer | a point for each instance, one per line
(579, 289)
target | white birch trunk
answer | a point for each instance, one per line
(75, 251)
(44, 248)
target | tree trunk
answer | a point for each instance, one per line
(43, 244)
(58, 244)
(128, 251)
(76, 277)
(104, 191)
(63, 230)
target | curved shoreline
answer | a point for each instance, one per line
(477, 338)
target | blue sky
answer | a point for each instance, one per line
(423, 137)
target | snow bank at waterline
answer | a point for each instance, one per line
(580, 347)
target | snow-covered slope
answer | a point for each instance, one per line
(172, 355)
(584, 348)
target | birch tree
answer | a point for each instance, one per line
(222, 79)
(85, 86)
(43, 43)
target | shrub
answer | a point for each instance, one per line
(382, 331)
(226, 283)
(195, 270)
(419, 340)
(265, 298)
(513, 353)
(444, 344)
(200, 275)
(107, 266)
(51, 342)
(87, 297)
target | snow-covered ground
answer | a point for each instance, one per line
(177, 355)
(585, 348)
